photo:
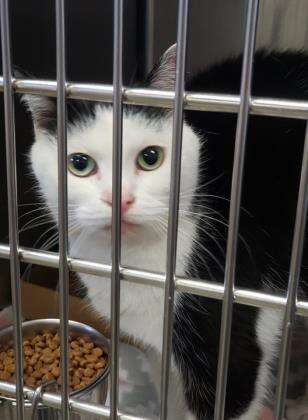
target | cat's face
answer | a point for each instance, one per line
(145, 169)
(146, 162)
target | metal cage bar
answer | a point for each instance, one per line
(62, 207)
(174, 191)
(116, 204)
(194, 286)
(196, 101)
(9, 118)
(149, 27)
(147, 97)
(235, 205)
(294, 278)
(53, 400)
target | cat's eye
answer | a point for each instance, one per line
(81, 164)
(150, 158)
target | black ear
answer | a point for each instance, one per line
(43, 111)
(163, 74)
(42, 108)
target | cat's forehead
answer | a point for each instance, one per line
(139, 130)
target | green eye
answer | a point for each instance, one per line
(80, 164)
(150, 158)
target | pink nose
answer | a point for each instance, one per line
(126, 203)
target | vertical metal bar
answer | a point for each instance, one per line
(294, 277)
(175, 183)
(9, 118)
(116, 203)
(149, 36)
(62, 205)
(234, 215)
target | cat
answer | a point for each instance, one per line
(273, 160)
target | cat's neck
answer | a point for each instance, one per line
(140, 304)
(96, 246)
(143, 248)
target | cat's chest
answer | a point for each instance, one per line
(141, 306)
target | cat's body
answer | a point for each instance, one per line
(269, 199)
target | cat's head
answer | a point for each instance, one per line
(147, 135)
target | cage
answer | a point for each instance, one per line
(100, 46)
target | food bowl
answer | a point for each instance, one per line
(95, 392)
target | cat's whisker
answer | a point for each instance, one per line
(54, 238)
(207, 233)
(38, 203)
(184, 257)
(157, 227)
(43, 234)
(200, 245)
(33, 211)
(36, 225)
(50, 205)
(215, 220)
(46, 216)
(50, 242)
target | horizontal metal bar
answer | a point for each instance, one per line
(197, 287)
(149, 97)
(54, 401)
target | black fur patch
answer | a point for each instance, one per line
(271, 180)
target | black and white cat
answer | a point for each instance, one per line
(274, 154)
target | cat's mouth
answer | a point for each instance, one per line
(125, 226)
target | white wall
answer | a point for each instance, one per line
(216, 27)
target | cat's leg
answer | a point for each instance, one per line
(268, 336)
(177, 407)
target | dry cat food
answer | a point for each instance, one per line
(42, 360)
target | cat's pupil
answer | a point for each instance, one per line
(150, 156)
(80, 161)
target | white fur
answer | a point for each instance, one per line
(144, 245)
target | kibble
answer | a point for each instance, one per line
(42, 360)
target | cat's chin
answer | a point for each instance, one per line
(125, 227)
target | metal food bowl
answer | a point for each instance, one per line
(95, 392)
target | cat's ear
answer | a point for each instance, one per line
(43, 111)
(42, 108)
(163, 74)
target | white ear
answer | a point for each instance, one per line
(163, 75)
(43, 110)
